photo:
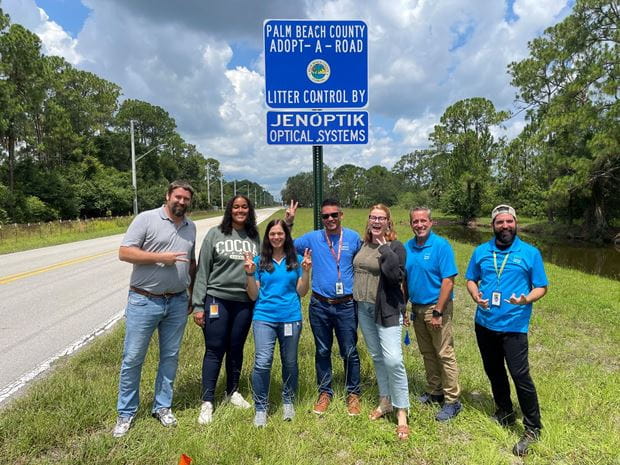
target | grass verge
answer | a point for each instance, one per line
(67, 417)
(20, 237)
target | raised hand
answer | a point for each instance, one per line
(249, 266)
(170, 258)
(306, 263)
(289, 216)
(484, 303)
(521, 300)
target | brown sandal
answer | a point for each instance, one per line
(379, 412)
(402, 432)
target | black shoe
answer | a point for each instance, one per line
(427, 398)
(504, 418)
(530, 436)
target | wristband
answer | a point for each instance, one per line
(437, 314)
(249, 274)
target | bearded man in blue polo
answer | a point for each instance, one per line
(505, 277)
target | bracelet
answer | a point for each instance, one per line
(249, 274)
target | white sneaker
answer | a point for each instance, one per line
(206, 413)
(165, 417)
(238, 401)
(122, 426)
(288, 412)
(260, 419)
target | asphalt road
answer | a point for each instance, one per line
(56, 299)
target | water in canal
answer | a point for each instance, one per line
(602, 261)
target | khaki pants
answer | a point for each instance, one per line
(437, 349)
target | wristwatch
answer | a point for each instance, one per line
(437, 314)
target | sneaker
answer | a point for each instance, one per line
(504, 418)
(353, 405)
(165, 417)
(122, 426)
(238, 401)
(288, 412)
(530, 436)
(449, 411)
(260, 419)
(322, 403)
(206, 413)
(428, 399)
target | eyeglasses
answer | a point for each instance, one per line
(380, 219)
(333, 215)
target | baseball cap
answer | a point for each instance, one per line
(503, 209)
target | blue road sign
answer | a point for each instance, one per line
(317, 127)
(316, 64)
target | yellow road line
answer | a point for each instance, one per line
(26, 274)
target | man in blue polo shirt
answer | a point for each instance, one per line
(504, 277)
(430, 271)
(332, 309)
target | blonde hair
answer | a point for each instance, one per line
(390, 233)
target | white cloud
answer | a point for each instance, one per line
(178, 55)
(54, 39)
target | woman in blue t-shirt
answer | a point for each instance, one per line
(276, 279)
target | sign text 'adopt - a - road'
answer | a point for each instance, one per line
(316, 64)
(317, 128)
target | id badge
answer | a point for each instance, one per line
(496, 299)
(214, 311)
(339, 288)
(288, 329)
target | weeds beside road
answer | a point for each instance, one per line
(67, 417)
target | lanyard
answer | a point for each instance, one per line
(501, 270)
(331, 249)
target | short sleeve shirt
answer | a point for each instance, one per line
(426, 266)
(153, 231)
(522, 272)
(324, 270)
(278, 301)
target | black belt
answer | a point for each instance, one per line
(167, 295)
(339, 300)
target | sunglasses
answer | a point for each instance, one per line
(330, 215)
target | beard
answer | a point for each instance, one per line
(505, 236)
(178, 210)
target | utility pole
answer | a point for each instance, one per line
(235, 189)
(222, 192)
(208, 187)
(134, 182)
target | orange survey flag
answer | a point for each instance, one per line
(185, 460)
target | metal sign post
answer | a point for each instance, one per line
(317, 169)
(316, 66)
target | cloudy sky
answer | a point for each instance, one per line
(203, 62)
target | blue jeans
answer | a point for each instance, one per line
(385, 348)
(325, 320)
(143, 316)
(265, 335)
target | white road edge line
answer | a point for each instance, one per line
(18, 384)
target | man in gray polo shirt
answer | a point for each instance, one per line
(160, 245)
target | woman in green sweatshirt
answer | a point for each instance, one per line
(221, 304)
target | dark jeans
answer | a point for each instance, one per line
(495, 347)
(224, 335)
(325, 320)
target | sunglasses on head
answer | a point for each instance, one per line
(330, 215)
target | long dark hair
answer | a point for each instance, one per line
(266, 253)
(226, 226)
